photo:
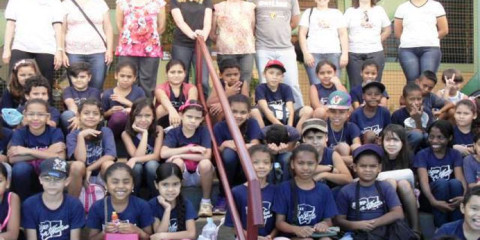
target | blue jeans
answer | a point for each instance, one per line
(355, 63)
(331, 57)
(233, 169)
(416, 139)
(245, 61)
(282, 160)
(188, 57)
(146, 171)
(444, 190)
(414, 61)
(66, 115)
(289, 60)
(147, 69)
(24, 180)
(97, 67)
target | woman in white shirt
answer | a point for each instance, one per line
(420, 24)
(327, 38)
(83, 42)
(368, 26)
(33, 31)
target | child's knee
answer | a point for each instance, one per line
(77, 168)
(320, 112)
(205, 166)
(369, 137)
(392, 182)
(404, 186)
(179, 162)
(343, 149)
(306, 112)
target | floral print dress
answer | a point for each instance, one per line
(140, 37)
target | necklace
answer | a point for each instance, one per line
(334, 137)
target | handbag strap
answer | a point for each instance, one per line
(293, 193)
(380, 195)
(309, 16)
(90, 21)
(105, 209)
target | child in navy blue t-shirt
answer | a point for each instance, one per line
(371, 118)
(9, 207)
(174, 216)
(5, 137)
(14, 96)
(261, 158)
(117, 101)
(319, 92)
(275, 99)
(343, 136)
(465, 113)
(439, 107)
(303, 206)
(91, 148)
(37, 87)
(134, 214)
(79, 76)
(251, 133)
(31, 144)
(53, 214)
(471, 164)
(190, 147)
(368, 203)
(369, 74)
(143, 139)
(439, 169)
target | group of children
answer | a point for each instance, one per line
(357, 166)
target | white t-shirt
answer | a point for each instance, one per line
(419, 24)
(364, 29)
(34, 21)
(323, 28)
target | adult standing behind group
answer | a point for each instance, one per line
(193, 18)
(274, 20)
(420, 24)
(140, 24)
(323, 36)
(233, 30)
(368, 26)
(33, 31)
(88, 40)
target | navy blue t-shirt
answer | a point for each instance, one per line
(138, 212)
(376, 123)
(371, 203)
(438, 168)
(283, 94)
(150, 142)
(432, 101)
(158, 210)
(470, 168)
(108, 103)
(95, 148)
(52, 224)
(327, 157)
(460, 138)
(452, 228)
(349, 132)
(324, 92)
(240, 194)
(399, 116)
(252, 132)
(54, 113)
(78, 96)
(313, 206)
(357, 94)
(8, 101)
(175, 138)
(6, 137)
(23, 137)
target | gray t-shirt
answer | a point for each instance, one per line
(272, 29)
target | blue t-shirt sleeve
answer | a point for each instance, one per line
(54, 114)
(218, 130)
(77, 219)
(96, 94)
(420, 160)
(106, 100)
(140, 93)
(354, 96)
(96, 215)
(391, 197)
(190, 212)
(67, 93)
(260, 93)
(354, 130)
(28, 213)
(228, 215)
(386, 117)
(254, 131)
(354, 117)
(18, 138)
(146, 216)
(457, 156)
(343, 202)
(6, 100)
(437, 102)
(206, 141)
(71, 143)
(287, 93)
(280, 201)
(170, 139)
(108, 142)
(57, 135)
(469, 169)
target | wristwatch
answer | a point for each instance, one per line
(331, 168)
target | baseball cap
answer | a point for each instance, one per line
(276, 64)
(12, 116)
(339, 100)
(369, 84)
(314, 123)
(376, 149)
(55, 167)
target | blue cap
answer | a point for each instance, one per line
(12, 116)
(339, 100)
(54, 167)
(374, 148)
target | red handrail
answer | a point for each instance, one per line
(255, 210)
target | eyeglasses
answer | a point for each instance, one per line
(38, 114)
(365, 16)
(50, 179)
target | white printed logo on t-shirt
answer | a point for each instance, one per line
(306, 213)
(266, 211)
(173, 225)
(368, 203)
(440, 172)
(375, 128)
(51, 229)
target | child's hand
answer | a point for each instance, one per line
(89, 133)
(131, 162)
(87, 178)
(127, 228)
(335, 80)
(442, 206)
(234, 89)
(273, 147)
(57, 148)
(127, 110)
(321, 227)
(74, 123)
(198, 149)
(120, 99)
(450, 82)
(304, 232)
(14, 151)
(367, 225)
(51, 123)
(117, 108)
(309, 59)
(455, 202)
(164, 203)
(268, 237)
(215, 109)
(282, 148)
(138, 129)
(174, 118)
(111, 227)
(157, 236)
(343, 60)
(230, 144)
(436, 113)
(416, 112)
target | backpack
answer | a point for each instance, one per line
(91, 194)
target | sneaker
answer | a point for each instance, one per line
(220, 206)
(205, 210)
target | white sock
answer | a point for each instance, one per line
(206, 200)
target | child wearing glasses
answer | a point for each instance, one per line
(31, 144)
